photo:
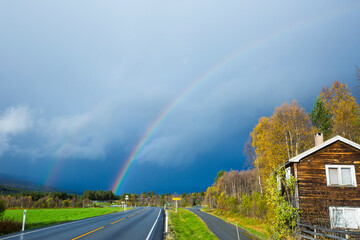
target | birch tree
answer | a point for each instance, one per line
(344, 110)
(287, 133)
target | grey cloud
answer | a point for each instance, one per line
(13, 121)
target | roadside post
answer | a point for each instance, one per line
(166, 221)
(237, 231)
(23, 225)
(176, 199)
(126, 198)
(123, 205)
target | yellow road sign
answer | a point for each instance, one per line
(176, 198)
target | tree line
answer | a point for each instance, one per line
(18, 198)
(275, 139)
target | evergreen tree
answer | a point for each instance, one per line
(220, 174)
(321, 118)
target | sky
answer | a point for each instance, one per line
(83, 82)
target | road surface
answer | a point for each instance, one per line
(138, 224)
(222, 229)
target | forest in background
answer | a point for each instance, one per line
(19, 198)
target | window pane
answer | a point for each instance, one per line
(346, 176)
(288, 173)
(333, 172)
(338, 218)
(350, 218)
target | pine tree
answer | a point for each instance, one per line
(321, 118)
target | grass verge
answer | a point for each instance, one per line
(185, 225)
(36, 218)
(254, 226)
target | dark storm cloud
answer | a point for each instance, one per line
(82, 80)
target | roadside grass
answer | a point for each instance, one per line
(36, 218)
(185, 225)
(254, 226)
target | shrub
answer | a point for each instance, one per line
(9, 226)
(282, 214)
(246, 205)
(232, 203)
(2, 208)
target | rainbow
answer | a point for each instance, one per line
(117, 184)
(119, 180)
(56, 166)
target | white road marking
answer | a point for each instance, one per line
(152, 229)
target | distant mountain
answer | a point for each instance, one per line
(13, 184)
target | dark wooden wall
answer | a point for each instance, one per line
(315, 196)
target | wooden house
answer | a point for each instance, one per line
(327, 178)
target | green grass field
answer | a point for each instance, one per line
(186, 225)
(43, 217)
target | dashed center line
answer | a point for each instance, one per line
(87, 233)
(118, 220)
(103, 227)
(125, 218)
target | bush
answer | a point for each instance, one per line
(9, 226)
(260, 205)
(282, 214)
(2, 208)
(246, 205)
(232, 203)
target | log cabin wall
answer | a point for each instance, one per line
(315, 196)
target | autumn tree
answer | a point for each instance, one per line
(344, 110)
(286, 134)
(237, 192)
(261, 143)
(251, 157)
(321, 118)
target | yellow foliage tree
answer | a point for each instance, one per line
(286, 134)
(344, 110)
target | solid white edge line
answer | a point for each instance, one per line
(59, 225)
(152, 229)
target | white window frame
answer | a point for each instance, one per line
(333, 220)
(352, 171)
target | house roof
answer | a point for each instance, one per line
(323, 145)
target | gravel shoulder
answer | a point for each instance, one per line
(222, 229)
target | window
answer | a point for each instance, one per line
(288, 173)
(278, 180)
(340, 175)
(345, 217)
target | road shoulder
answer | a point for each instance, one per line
(222, 229)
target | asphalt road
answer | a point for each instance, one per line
(222, 229)
(138, 224)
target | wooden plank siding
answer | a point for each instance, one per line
(315, 196)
